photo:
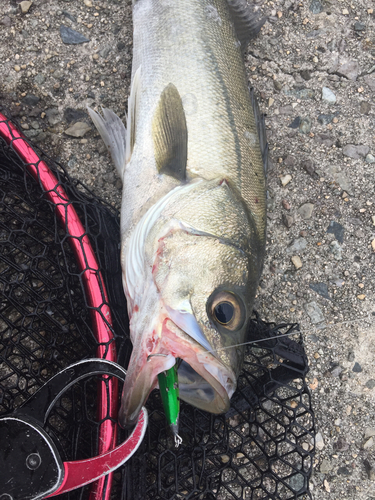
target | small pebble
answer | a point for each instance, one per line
(295, 123)
(69, 16)
(369, 432)
(285, 204)
(327, 486)
(341, 445)
(370, 158)
(314, 312)
(337, 230)
(319, 443)
(25, 6)
(361, 296)
(289, 161)
(53, 116)
(286, 179)
(373, 244)
(370, 80)
(355, 152)
(358, 26)
(71, 37)
(349, 70)
(326, 466)
(328, 95)
(365, 108)
(315, 7)
(296, 261)
(306, 74)
(39, 79)
(297, 245)
(309, 167)
(305, 125)
(357, 368)
(17, 68)
(225, 459)
(368, 444)
(6, 21)
(370, 384)
(314, 384)
(79, 129)
(325, 119)
(321, 289)
(343, 471)
(370, 470)
(30, 100)
(335, 371)
(306, 210)
(288, 220)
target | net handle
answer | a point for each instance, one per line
(97, 299)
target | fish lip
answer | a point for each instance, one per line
(144, 367)
(174, 343)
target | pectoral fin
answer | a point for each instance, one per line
(132, 113)
(169, 133)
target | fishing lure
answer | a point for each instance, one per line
(168, 385)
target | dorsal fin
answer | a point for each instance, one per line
(113, 133)
(247, 22)
(169, 133)
(261, 127)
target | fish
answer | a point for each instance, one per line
(192, 158)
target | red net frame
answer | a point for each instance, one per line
(94, 287)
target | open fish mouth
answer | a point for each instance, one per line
(204, 381)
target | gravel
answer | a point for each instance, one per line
(328, 95)
(307, 47)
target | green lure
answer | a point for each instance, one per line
(168, 385)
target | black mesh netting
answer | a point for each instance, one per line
(262, 449)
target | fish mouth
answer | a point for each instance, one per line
(204, 381)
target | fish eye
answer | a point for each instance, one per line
(226, 310)
(223, 312)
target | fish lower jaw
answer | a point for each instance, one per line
(204, 381)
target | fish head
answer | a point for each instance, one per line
(195, 307)
(205, 288)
